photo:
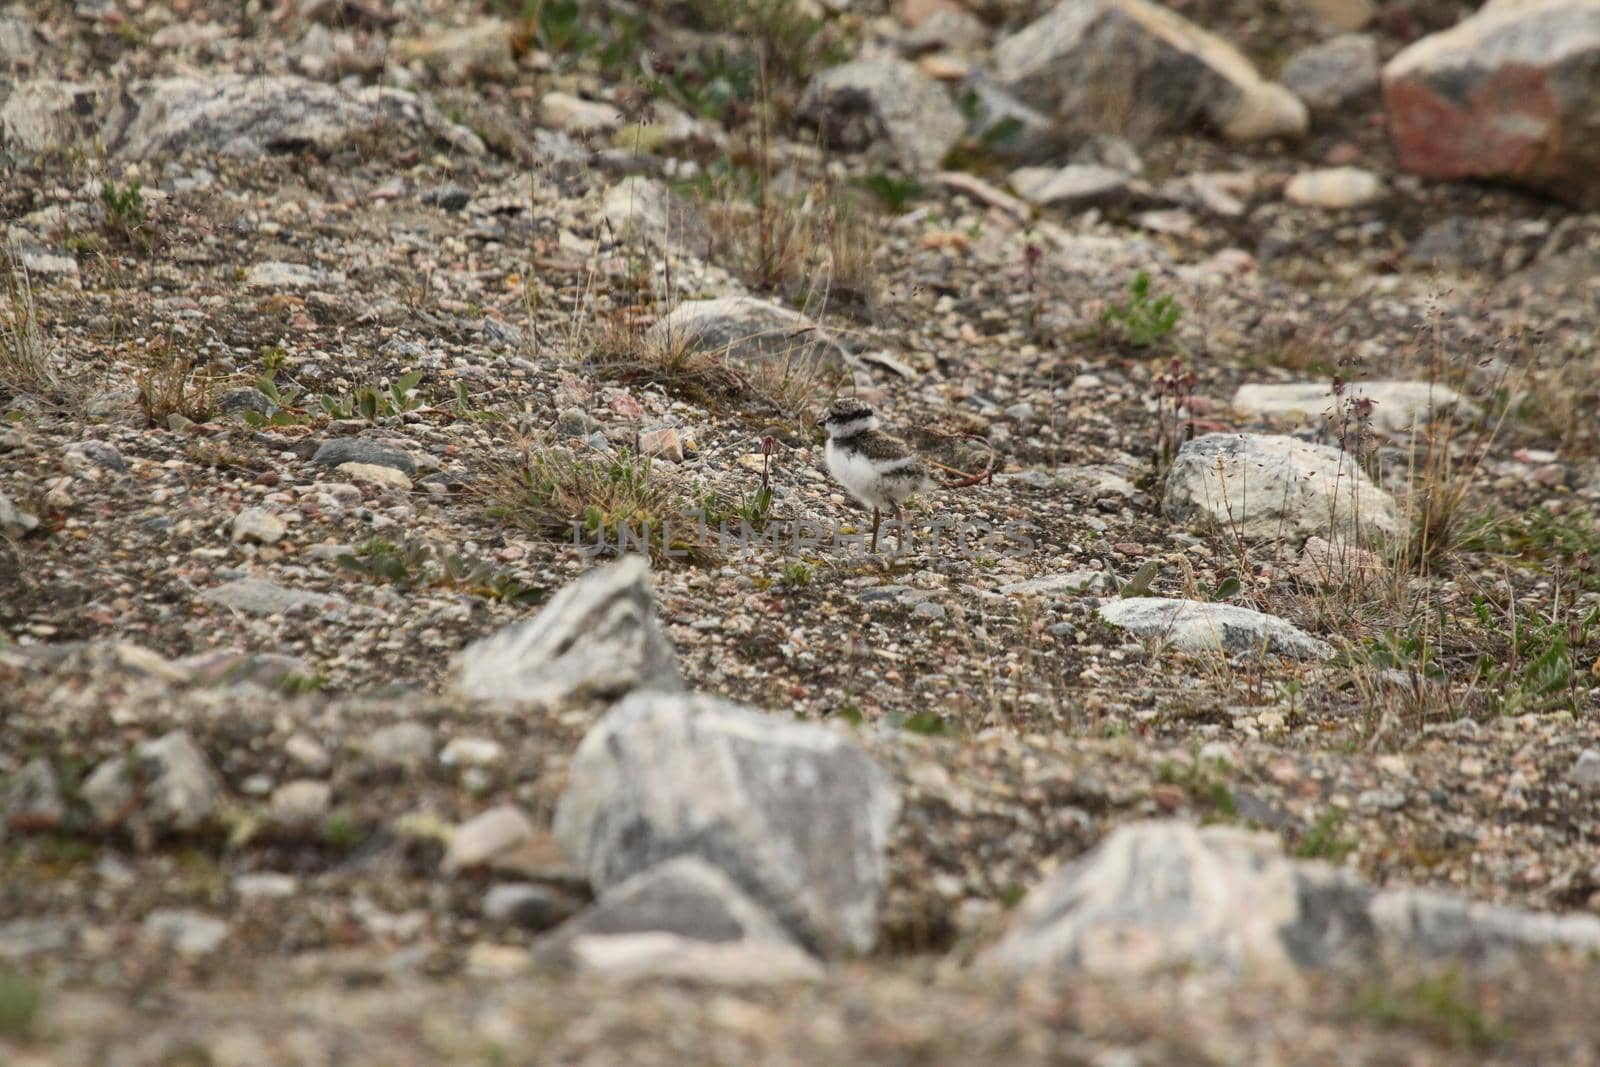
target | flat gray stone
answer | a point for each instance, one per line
(253, 115)
(344, 450)
(748, 332)
(1398, 406)
(1073, 583)
(597, 637)
(528, 905)
(685, 896)
(738, 965)
(795, 814)
(1198, 626)
(1332, 74)
(256, 596)
(1073, 187)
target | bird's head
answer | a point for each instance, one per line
(846, 416)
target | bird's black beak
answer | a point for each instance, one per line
(823, 420)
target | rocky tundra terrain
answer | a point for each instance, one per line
(429, 632)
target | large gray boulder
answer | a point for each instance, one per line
(1264, 487)
(1134, 67)
(1159, 895)
(1508, 94)
(597, 638)
(247, 116)
(794, 813)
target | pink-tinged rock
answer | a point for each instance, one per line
(1511, 94)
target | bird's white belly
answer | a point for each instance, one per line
(858, 475)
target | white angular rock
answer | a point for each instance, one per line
(46, 116)
(885, 101)
(375, 474)
(597, 637)
(257, 526)
(1199, 626)
(1269, 487)
(180, 790)
(303, 802)
(1398, 406)
(795, 814)
(1157, 895)
(1136, 67)
(576, 115)
(1335, 188)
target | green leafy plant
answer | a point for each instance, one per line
(126, 214)
(1442, 1004)
(796, 574)
(1323, 841)
(464, 409)
(1142, 320)
(896, 193)
(1536, 671)
(410, 565)
(928, 724)
(375, 402)
(21, 1002)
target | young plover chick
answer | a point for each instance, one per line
(875, 467)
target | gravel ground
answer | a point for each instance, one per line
(1439, 747)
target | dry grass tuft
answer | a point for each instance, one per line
(168, 384)
(600, 501)
(26, 357)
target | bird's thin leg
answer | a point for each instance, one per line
(875, 519)
(900, 531)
